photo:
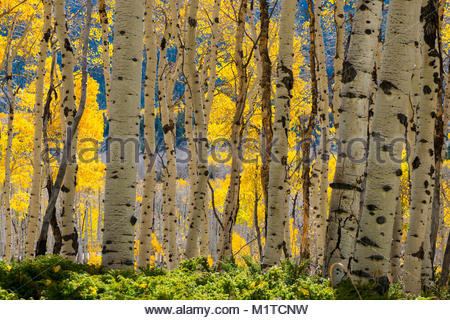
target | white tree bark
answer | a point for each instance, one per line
(199, 129)
(423, 163)
(8, 154)
(68, 230)
(103, 14)
(373, 247)
(121, 170)
(231, 206)
(396, 248)
(35, 193)
(352, 135)
(148, 198)
(278, 173)
(339, 22)
(324, 151)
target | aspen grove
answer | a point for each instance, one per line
(139, 134)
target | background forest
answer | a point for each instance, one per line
(225, 136)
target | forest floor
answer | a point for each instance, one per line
(53, 277)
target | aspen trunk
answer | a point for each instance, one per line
(232, 198)
(306, 136)
(200, 138)
(373, 246)
(147, 209)
(423, 165)
(339, 22)
(8, 155)
(169, 181)
(278, 177)
(445, 264)
(352, 136)
(103, 15)
(120, 189)
(396, 248)
(324, 151)
(68, 105)
(266, 102)
(35, 193)
(207, 106)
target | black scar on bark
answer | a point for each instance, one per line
(371, 207)
(348, 72)
(360, 273)
(345, 186)
(416, 163)
(426, 89)
(192, 22)
(133, 220)
(363, 7)
(376, 257)
(67, 45)
(419, 254)
(288, 81)
(381, 220)
(367, 242)
(47, 35)
(398, 172)
(387, 86)
(403, 119)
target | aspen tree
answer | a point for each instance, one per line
(278, 174)
(35, 193)
(423, 164)
(68, 189)
(103, 15)
(8, 155)
(353, 110)
(396, 247)
(232, 199)
(339, 22)
(374, 242)
(324, 151)
(147, 209)
(199, 188)
(121, 170)
(307, 139)
(266, 102)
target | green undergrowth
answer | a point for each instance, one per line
(53, 277)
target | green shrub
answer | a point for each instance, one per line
(53, 277)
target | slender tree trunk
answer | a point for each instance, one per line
(352, 136)
(170, 176)
(8, 157)
(35, 193)
(68, 105)
(103, 15)
(120, 190)
(440, 150)
(324, 151)
(199, 129)
(147, 209)
(306, 136)
(423, 165)
(339, 22)
(232, 198)
(373, 246)
(445, 264)
(396, 248)
(278, 177)
(266, 102)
